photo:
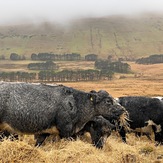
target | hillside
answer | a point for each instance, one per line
(119, 36)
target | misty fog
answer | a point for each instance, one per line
(62, 11)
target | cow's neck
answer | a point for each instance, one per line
(85, 115)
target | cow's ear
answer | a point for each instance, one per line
(95, 98)
(93, 91)
(67, 91)
(92, 97)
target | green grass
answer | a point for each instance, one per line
(117, 36)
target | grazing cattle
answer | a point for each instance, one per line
(99, 129)
(144, 113)
(50, 109)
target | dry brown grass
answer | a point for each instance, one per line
(81, 151)
(138, 150)
(124, 87)
(9, 65)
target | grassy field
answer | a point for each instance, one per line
(9, 65)
(145, 80)
(138, 150)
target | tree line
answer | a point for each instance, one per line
(110, 67)
(61, 76)
(16, 57)
(56, 57)
(152, 59)
(51, 56)
(104, 69)
(70, 75)
(48, 65)
(17, 76)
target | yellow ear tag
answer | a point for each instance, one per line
(91, 99)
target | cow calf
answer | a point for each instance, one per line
(99, 129)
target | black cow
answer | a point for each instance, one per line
(99, 129)
(48, 109)
(144, 113)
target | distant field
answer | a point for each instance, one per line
(8, 65)
(153, 71)
(124, 87)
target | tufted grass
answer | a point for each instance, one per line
(81, 151)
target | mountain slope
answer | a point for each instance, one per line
(119, 36)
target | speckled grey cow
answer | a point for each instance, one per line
(49, 109)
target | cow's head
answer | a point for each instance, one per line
(100, 130)
(108, 107)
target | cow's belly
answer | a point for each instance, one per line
(148, 127)
(9, 128)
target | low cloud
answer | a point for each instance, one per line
(18, 11)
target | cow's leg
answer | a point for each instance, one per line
(122, 133)
(158, 136)
(148, 136)
(40, 138)
(2, 136)
(158, 139)
(6, 134)
(65, 128)
(137, 134)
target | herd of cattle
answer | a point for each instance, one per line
(43, 110)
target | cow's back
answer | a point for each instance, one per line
(29, 107)
(141, 109)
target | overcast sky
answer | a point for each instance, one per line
(15, 11)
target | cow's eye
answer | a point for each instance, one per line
(109, 101)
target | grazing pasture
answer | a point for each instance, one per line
(147, 80)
